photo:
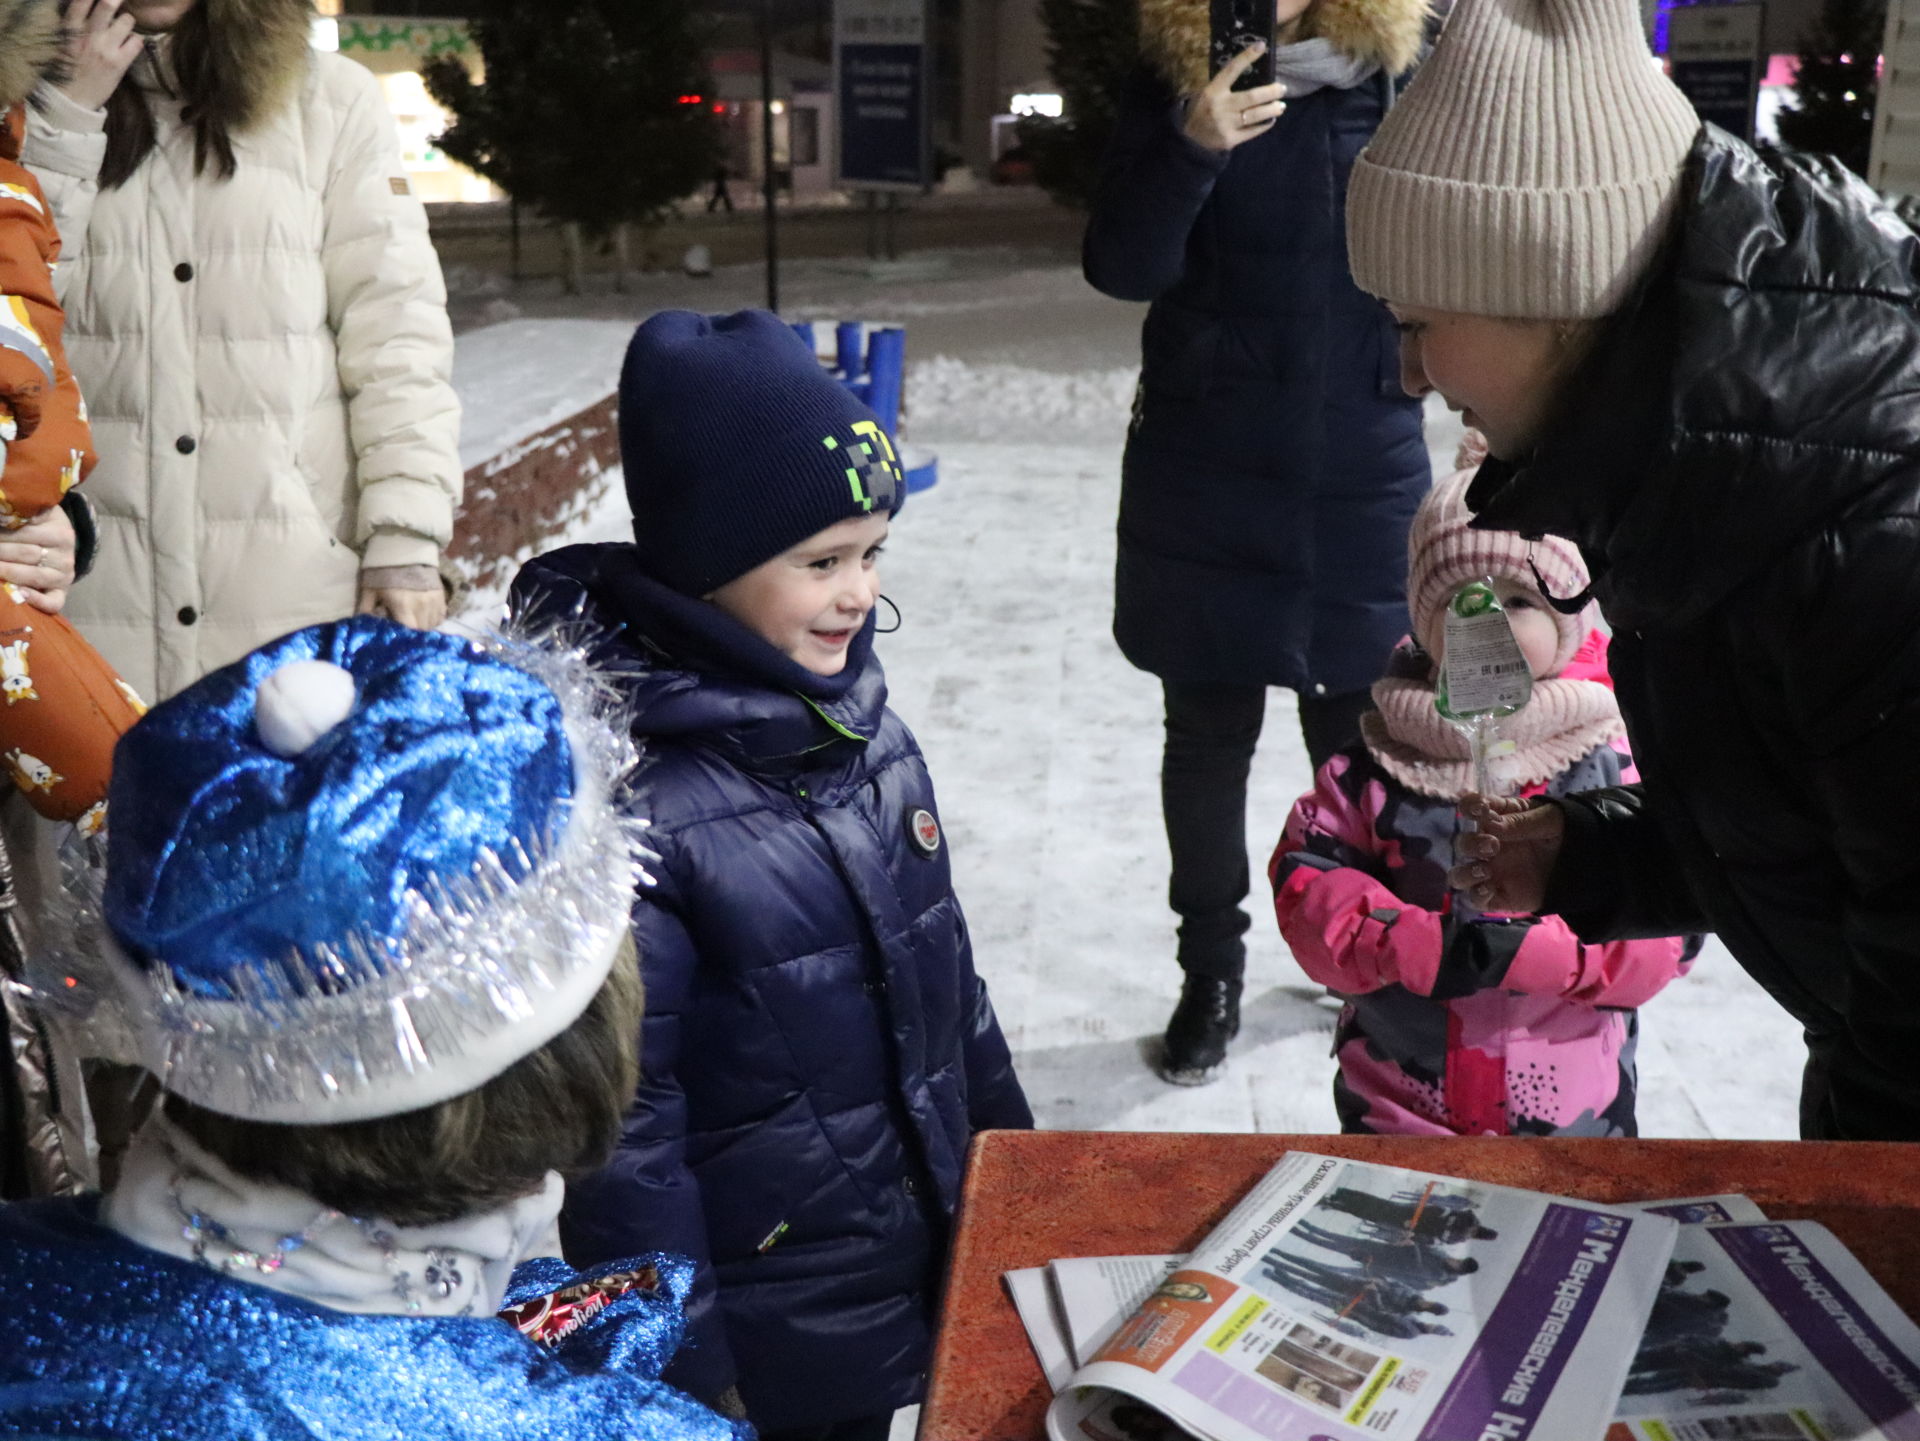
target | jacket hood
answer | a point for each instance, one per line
(29, 46)
(266, 45)
(1174, 35)
(694, 673)
(1757, 386)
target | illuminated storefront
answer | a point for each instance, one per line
(396, 49)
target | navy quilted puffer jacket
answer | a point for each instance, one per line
(817, 1051)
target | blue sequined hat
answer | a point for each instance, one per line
(364, 870)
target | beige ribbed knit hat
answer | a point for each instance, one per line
(1530, 168)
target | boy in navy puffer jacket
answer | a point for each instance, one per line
(817, 1050)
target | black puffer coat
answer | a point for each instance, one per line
(1739, 460)
(1274, 463)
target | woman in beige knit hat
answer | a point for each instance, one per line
(1273, 463)
(1699, 363)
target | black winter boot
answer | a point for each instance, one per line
(1207, 1017)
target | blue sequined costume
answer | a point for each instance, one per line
(109, 1341)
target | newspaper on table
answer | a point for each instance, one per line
(1703, 1210)
(1769, 1331)
(1072, 1306)
(1346, 1300)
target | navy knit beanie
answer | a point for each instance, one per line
(738, 446)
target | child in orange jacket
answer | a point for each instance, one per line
(62, 707)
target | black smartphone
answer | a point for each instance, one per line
(1236, 25)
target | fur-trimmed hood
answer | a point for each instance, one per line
(29, 46)
(1174, 35)
(265, 47)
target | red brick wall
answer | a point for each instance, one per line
(522, 500)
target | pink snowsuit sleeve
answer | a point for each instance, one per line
(1347, 930)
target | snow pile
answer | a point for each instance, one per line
(955, 399)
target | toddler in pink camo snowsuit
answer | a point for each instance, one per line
(1458, 1023)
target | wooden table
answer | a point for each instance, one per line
(1033, 1196)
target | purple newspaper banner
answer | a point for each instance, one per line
(1831, 1323)
(1692, 1213)
(1507, 1378)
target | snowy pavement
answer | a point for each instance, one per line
(1044, 742)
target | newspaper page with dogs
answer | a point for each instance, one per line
(1346, 1300)
(1769, 1331)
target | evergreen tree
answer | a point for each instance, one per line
(1092, 49)
(586, 112)
(1836, 82)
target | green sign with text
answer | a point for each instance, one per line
(371, 35)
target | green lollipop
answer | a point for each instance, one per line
(1483, 675)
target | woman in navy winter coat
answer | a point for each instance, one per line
(1274, 463)
(817, 1050)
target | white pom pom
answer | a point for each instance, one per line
(301, 702)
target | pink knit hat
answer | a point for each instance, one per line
(1443, 554)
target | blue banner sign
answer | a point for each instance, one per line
(883, 91)
(1715, 56)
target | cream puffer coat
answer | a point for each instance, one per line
(268, 363)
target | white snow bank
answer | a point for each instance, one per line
(518, 379)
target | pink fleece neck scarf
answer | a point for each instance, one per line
(1565, 720)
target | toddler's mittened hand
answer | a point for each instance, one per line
(1507, 862)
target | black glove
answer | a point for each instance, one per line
(1477, 953)
(86, 535)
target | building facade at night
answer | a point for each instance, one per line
(989, 65)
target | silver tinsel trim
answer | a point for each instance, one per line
(490, 967)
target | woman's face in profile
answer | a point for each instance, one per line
(1500, 374)
(156, 17)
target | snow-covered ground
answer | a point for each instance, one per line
(1044, 742)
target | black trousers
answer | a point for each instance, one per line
(1211, 734)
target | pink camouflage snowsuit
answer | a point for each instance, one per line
(1533, 1031)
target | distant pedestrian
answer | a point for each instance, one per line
(721, 196)
(1272, 465)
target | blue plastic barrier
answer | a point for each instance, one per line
(877, 375)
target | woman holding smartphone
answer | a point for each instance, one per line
(1274, 463)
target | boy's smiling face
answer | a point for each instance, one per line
(809, 602)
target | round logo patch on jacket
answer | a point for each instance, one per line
(924, 831)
